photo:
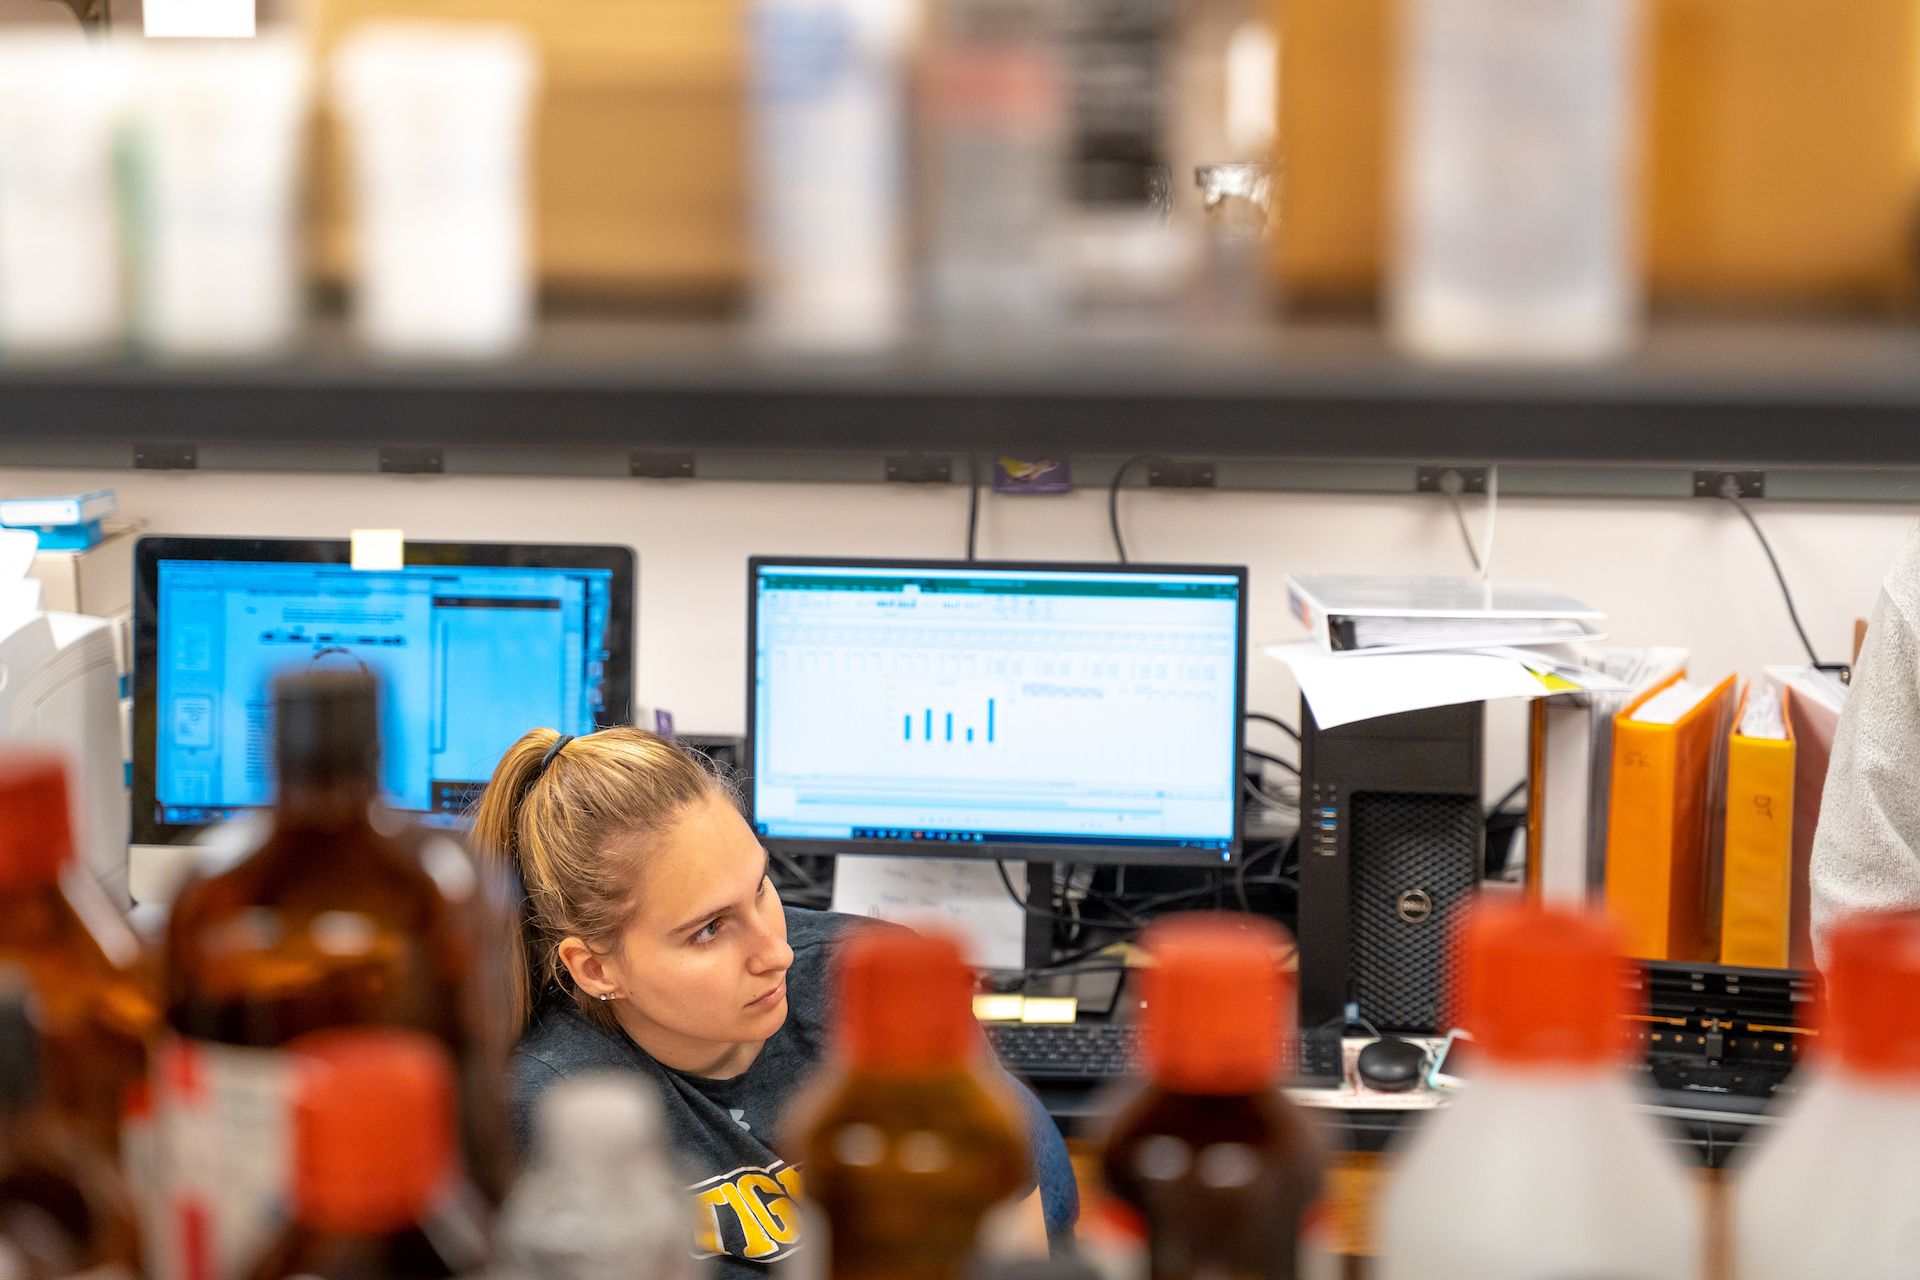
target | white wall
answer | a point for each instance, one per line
(1682, 572)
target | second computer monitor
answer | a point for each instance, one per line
(1061, 712)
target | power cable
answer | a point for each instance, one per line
(1730, 490)
(1113, 501)
(1257, 754)
(973, 502)
(1276, 722)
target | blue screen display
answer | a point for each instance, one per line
(975, 706)
(469, 658)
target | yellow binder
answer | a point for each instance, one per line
(1756, 909)
(1660, 828)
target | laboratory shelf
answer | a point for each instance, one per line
(1831, 411)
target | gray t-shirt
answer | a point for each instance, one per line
(721, 1130)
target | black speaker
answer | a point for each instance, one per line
(1391, 847)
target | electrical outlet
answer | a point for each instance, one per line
(1432, 479)
(166, 457)
(1751, 484)
(919, 468)
(652, 464)
(409, 461)
(1172, 473)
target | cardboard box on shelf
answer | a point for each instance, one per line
(637, 147)
(97, 581)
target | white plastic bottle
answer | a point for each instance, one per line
(600, 1200)
(1541, 1169)
(1516, 191)
(1835, 1190)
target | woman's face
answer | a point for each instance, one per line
(703, 964)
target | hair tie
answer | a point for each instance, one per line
(546, 761)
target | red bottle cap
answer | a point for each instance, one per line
(36, 833)
(372, 1128)
(1872, 1019)
(1218, 1002)
(906, 1002)
(1541, 986)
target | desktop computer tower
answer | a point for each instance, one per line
(1391, 847)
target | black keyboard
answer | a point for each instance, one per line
(1064, 1051)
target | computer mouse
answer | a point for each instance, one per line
(1391, 1065)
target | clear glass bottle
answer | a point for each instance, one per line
(601, 1199)
(1516, 182)
(63, 1209)
(908, 1141)
(373, 1143)
(1216, 1160)
(1834, 1189)
(98, 1011)
(1540, 1166)
(330, 923)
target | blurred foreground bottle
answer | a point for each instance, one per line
(1219, 1163)
(1541, 1166)
(906, 1145)
(375, 1186)
(97, 1013)
(1516, 181)
(601, 1201)
(1834, 1189)
(437, 118)
(993, 149)
(827, 162)
(331, 922)
(63, 1209)
(61, 99)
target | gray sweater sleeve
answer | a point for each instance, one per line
(1866, 850)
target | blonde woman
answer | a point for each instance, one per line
(653, 941)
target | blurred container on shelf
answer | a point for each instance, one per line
(96, 1011)
(828, 158)
(1513, 235)
(61, 99)
(437, 122)
(1237, 202)
(638, 188)
(1780, 143)
(220, 127)
(601, 1199)
(992, 162)
(63, 1209)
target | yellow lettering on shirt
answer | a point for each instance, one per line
(776, 1215)
(759, 1243)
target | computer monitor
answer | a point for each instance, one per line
(474, 644)
(1052, 712)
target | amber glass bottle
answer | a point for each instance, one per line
(63, 1209)
(906, 1144)
(373, 1125)
(1222, 1167)
(97, 1015)
(329, 923)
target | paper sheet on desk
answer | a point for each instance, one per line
(963, 894)
(1343, 688)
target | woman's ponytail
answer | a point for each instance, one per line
(552, 818)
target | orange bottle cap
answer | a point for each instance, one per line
(1218, 1002)
(906, 1002)
(1541, 986)
(372, 1128)
(1872, 1015)
(36, 833)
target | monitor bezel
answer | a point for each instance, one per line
(1117, 854)
(149, 551)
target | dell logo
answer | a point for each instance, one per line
(1414, 906)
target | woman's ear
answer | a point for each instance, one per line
(588, 968)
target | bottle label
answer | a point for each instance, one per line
(225, 1157)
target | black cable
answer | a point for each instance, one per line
(1257, 754)
(1506, 799)
(1113, 501)
(973, 502)
(1461, 517)
(1730, 490)
(1043, 913)
(1276, 722)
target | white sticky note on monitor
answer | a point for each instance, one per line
(379, 549)
(206, 19)
(963, 895)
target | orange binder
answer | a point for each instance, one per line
(1756, 902)
(1660, 828)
